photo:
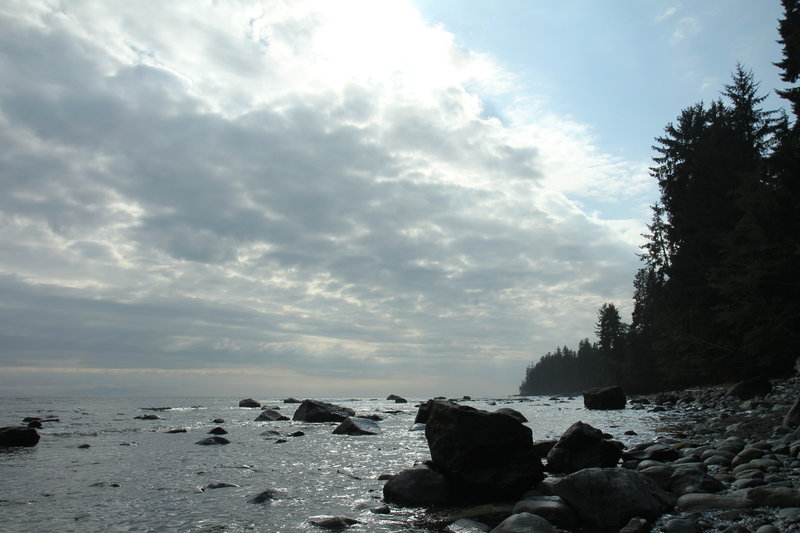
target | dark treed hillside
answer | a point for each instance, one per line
(718, 295)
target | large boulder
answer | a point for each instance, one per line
(18, 436)
(610, 497)
(418, 487)
(487, 456)
(357, 426)
(582, 446)
(750, 388)
(249, 402)
(396, 399)
(604, 398)
(318, 411)
(423, 412)
(270, 415)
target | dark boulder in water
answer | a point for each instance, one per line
(423, 412)
(270, 415)
(213, 440)
(582, 446)
(218, 421)
(177, 430)
(147, 417)
(291, 400)
(486, 456)
(18, 436)
(318, 411)
(396, 399)
(605, 398)
(249, 402)
(357, 426)
(218, 431)
(264, 496)
(332, 522)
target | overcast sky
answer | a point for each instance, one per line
(332, 198)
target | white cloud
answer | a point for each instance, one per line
(685, 28)
(308, 188)
(667, 13)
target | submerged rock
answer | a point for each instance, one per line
(318, 411)
(270, 415)
(18, 436)
(332, 522)
(357, 426)
(264, 496)
(213, 440)
(218, 431)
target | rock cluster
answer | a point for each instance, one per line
(729, 460)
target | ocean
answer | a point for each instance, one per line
(135, 476)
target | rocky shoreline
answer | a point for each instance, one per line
(727, 461)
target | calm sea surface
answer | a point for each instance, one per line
(134, 476)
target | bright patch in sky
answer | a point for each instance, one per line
(310, 198)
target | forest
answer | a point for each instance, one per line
(716, 298)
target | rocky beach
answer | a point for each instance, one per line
(726, 460)
(721, 458)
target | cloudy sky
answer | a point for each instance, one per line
(349, 198)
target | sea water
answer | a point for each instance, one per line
(135, 476)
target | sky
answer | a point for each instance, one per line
(333, 199)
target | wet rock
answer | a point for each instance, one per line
(466, 525)
(610, 497)
(84, 446)
(218, 421)
(35, 424)
(373, 417)
(18, 436)
(318, 411)
(220, 485)
(270, 415)
(208, 441)
(582, 446)
(604, 398)
(332, 522)
(487, 456)
(249, 402)
(147, 417)
(396, 399)
(291, 400)
(177, 430)
(554, 511)
(297, 434)
(357, 426)
(692, 478)
(774, 496)
(264, 496)
(417, 487)
(524, 523)
(712, 502)
(218, 431)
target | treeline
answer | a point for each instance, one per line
(718, 296)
